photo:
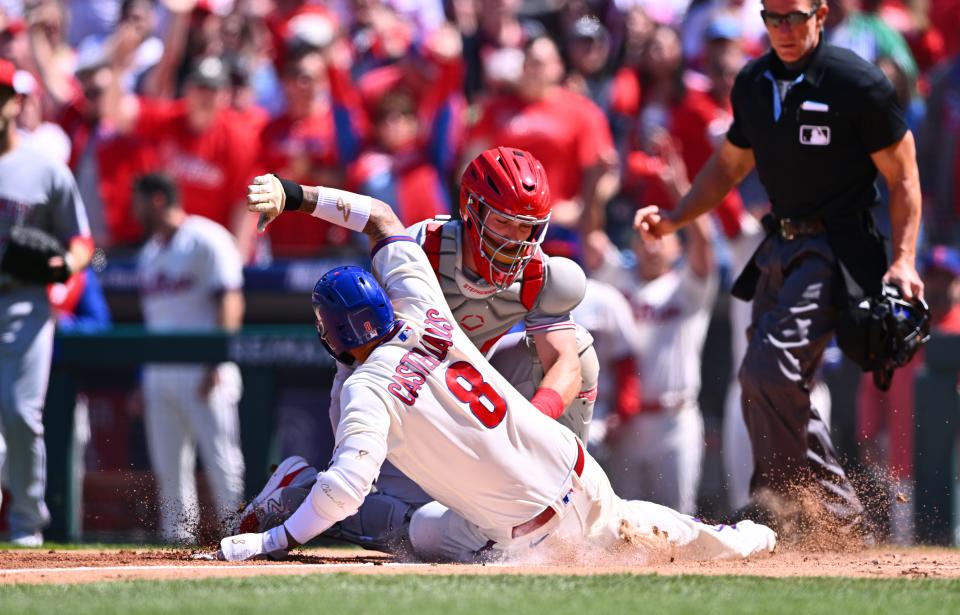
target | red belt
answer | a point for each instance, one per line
(548, 513)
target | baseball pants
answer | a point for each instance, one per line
(26, 348)
(178, 422)
(737, 451)
(793, 320)
(515, 357)
(657, 456)
(590, 514)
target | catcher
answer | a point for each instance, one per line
(40, 213)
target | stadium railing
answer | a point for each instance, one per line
(261, 351)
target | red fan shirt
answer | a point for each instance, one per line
(305, 152)
(567, 132)
(211, 168)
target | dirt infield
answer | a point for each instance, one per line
(53, 566)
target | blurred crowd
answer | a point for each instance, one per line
(623, 101)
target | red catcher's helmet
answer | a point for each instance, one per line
(511, 184)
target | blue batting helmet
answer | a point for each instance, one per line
(351, 309)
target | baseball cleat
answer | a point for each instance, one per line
(28, 539)
(270, 505)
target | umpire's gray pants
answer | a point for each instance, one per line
(26, 345)
(793, 320)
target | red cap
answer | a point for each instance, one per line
(14, 26)
(7, 70)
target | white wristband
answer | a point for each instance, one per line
(347, 209)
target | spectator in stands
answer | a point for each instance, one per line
(397, 168)
(46, 31)
(35, 132)
(95, 18)
(588, 51)
(493, 39)
(938, 154)
(885, 420)
(13, 41)
(241, 99)
(653, 165)
(191, 279)
(103, 161)
(564, 130)
(300, 143)
(637, 27)
(378, 35)
(656, 454)
(744, 14)
(867, 35)
(198, 142)
(945, 14)
(398, 129)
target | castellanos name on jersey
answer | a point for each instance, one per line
(451, 422)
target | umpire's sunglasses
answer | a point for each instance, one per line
(793, 18)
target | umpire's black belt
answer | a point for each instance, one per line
(548, 513)
(791, 228)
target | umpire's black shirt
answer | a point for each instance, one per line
(813, 149)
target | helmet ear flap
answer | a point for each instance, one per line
(351, 310)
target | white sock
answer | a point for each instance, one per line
(275, 539)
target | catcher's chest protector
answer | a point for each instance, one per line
(483, 315)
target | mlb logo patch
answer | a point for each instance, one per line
(814, 135)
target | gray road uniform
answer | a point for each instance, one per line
(38, 192)
(542, 299)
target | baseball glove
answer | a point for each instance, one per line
(28, 254)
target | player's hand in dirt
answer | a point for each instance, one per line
(265, 196)
(241, 547)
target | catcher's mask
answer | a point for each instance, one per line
(351, 310)
(883, 332)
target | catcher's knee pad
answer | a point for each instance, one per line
(381, 524)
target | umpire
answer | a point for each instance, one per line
(40, 211)
(817, 122)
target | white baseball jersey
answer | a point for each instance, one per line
(178, 280)
(483, 314)
(542, 298)
(179, 283)
(672, 314)
(429, 402)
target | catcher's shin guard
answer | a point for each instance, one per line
(381, 524)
